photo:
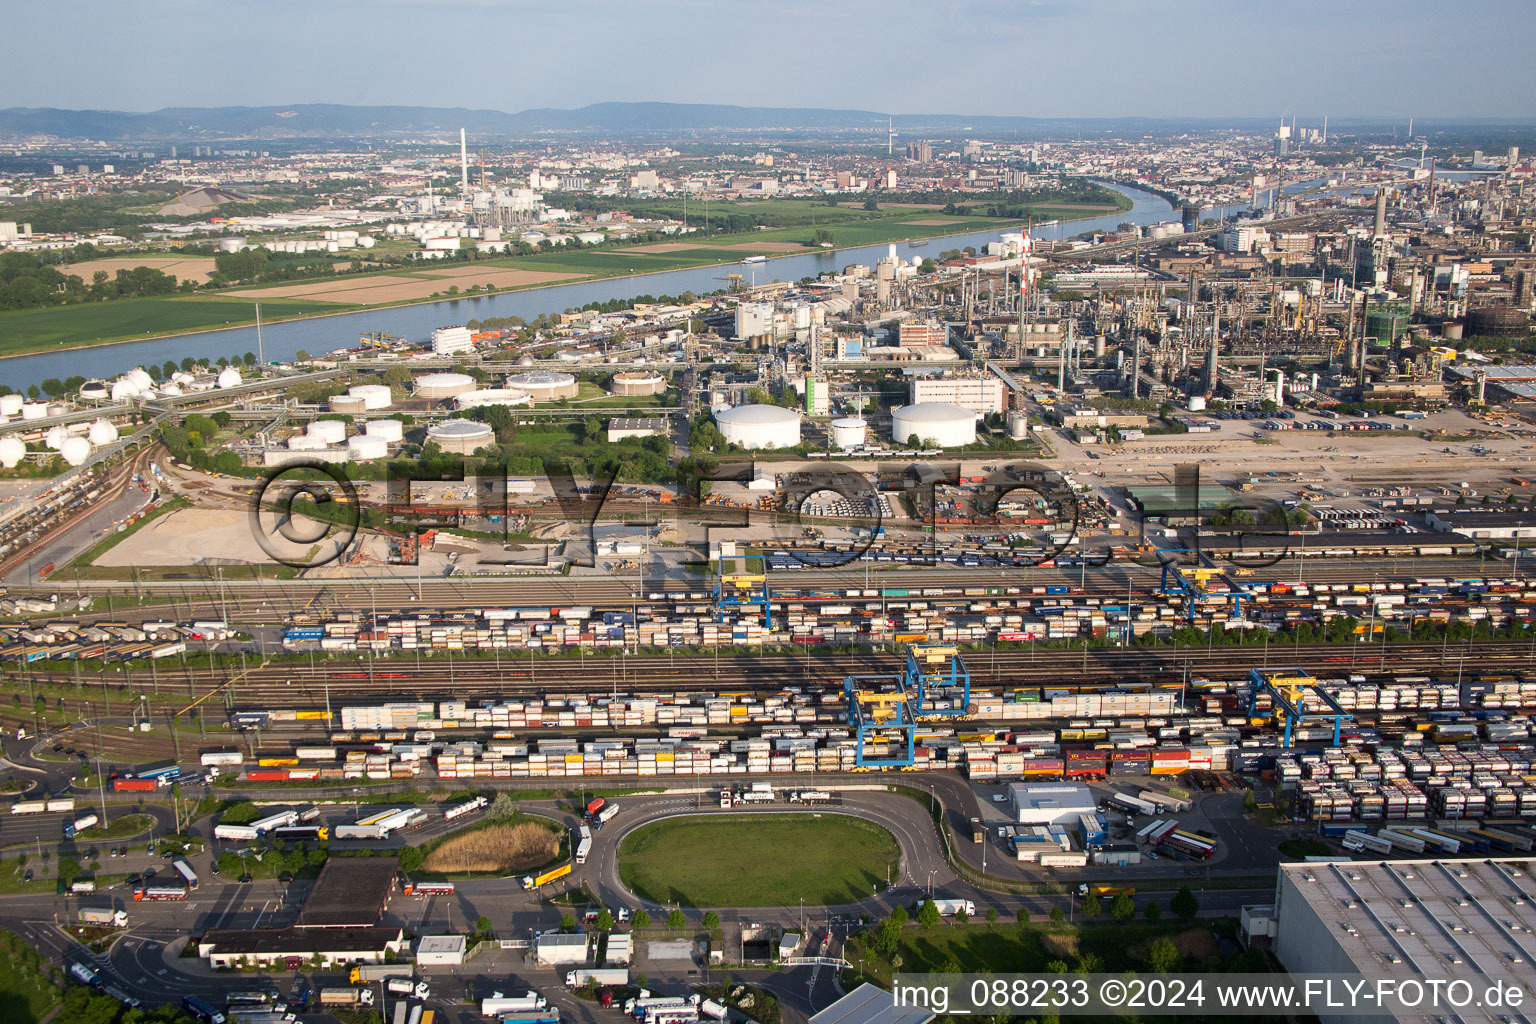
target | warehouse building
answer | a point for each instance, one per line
(1407, 920)
(1050, 803)
(441, 950)
(554, 948)
(979, 394)
(1485, 525)
(869, 1004)
(621, 427)
(289, 948)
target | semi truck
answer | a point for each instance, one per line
(83, 974)
(202, 1010)
(408, 987)
(713, 1010)
(80, 824)
(29, 807)
(496, 1004)
(364, 974)
(87, 885)
(103, 916)
(605, 815)
(160, 892)
(949, 908)
(354, 996)
(428, 888)
(535, 881)
(468, 807)
(597, 976)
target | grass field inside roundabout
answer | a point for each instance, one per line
(757, 860)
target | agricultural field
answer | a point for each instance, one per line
(56, 327)
(757, 860)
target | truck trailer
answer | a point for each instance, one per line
(103, 916)
(597, 976)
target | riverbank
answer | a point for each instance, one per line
(58, 329)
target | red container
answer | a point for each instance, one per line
(267, 775)
(147, 785)
(1095, 756)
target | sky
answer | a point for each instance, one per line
(1046, 58)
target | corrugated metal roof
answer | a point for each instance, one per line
(868, 1004)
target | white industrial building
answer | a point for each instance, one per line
(759, 426)
(558, 948)
(1050, 803)
(979, 394)
(440, 950)
(1404, 920)
(754, 319)
(934, 425)
(621, 427)
(447, 341)
(544, 385)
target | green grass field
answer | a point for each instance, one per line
(27, 988)
(757, 860)
(33, 330)
(124, 827)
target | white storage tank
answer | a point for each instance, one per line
(637, 382)
(95, 391)
(434, 386)
(10, 405)
(125, 390)
(374, 396)
(34, 410)
(139, 379)
(1197, 403)
(461, 436)
(55, 438)
(362, 447)
(1018, 425)
(350, 405)
(492, 396)
(759, 426)
(305, 443)
(936, 423)
(229, 377)
(12, 451)
(329, 431)
(102, 433)
(76, 450)
(389, 430)
(544, 385)
(848, 432)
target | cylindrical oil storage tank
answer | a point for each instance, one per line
(460, 436)
(1098, 346)
(848, 432)
(10, 405)
(1451, 330)
(544, 385)
(492, 396)
(102, 433)
(1197, 403)
(57, 408)
(329, 431)
(229, 377)
(76, 450)
(351, 405)
(938, 423)
(437, 386)
(1018, 425)
(362, 447)
(637, 382)
(374, 396)
(12, 451)
(34, 410)
(94, 391)
(389, 430)
(759, 426)
(306, 443)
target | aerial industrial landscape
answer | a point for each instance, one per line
(677, 562)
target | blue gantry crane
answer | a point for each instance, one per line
(1193, 581)
(743, 587)
(1295, 697)
(937, 680)
(880, 712)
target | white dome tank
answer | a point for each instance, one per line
(76, 450)
(374, 396)
(95, 391)
(848, 432)
(389, 430)
(139, 379)
(1197, 403)
(102, 433)
(10, 405)
(55, 438)
(759, 426)
(12, 451)
(329, 431)
(125, 390)
(171, 390)
(942, 424)
(363, 447)
(229, 377)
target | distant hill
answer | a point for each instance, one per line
(335, 120)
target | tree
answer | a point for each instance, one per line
(502, 809)
(676, 919)
(961, 917)
(1058, 915)
(301, 356)
(641, 920)
(1153, 911)
(1092, 907)
(928, 266)
(991, 915)
(913, 441)
(1163, 955)
(1184, 905)
(900, 916)
(711, 920)
(567, 922)
(1022, 916)
(483, 925)
(1123, 908)
(927, 914)
(822, 236)
(604, 920)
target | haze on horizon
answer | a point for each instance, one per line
(1046, 58)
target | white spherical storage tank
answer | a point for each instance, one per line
(374, 396)
(229, 377)
(848, 432)
(76, 450)
(491, 396)
(442, 385)
(329, 431)
(139, 379)
(125, 390)
(942, 425)
(12, 451)
(544, 385)
(102, 433)
(759, 426)
(10, 405)
(55, 438)
(389, 430)
(95, 391)
(362, 447)
(461, 436)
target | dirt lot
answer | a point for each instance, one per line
(761, 247)
(197, 536)
(397, 288)
(498, 849)
(186, 268)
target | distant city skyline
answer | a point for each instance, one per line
(1040, 58)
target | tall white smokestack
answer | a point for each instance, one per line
(463, 164)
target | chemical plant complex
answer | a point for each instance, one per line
(708, 575)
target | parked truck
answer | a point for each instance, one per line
(364, 974)
(496, 1004)
(80, 824)
(354, 996)
(29, 807)
(949, 908)
(535, 881)
(713, 1010)
(597, 976)
(408, 987)
(104, 916)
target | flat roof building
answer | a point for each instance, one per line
(289, 947)
(1050, 803)
(351, 892)
(441, 950)
(1409, 919)
(979, 394)
(869, 1004)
